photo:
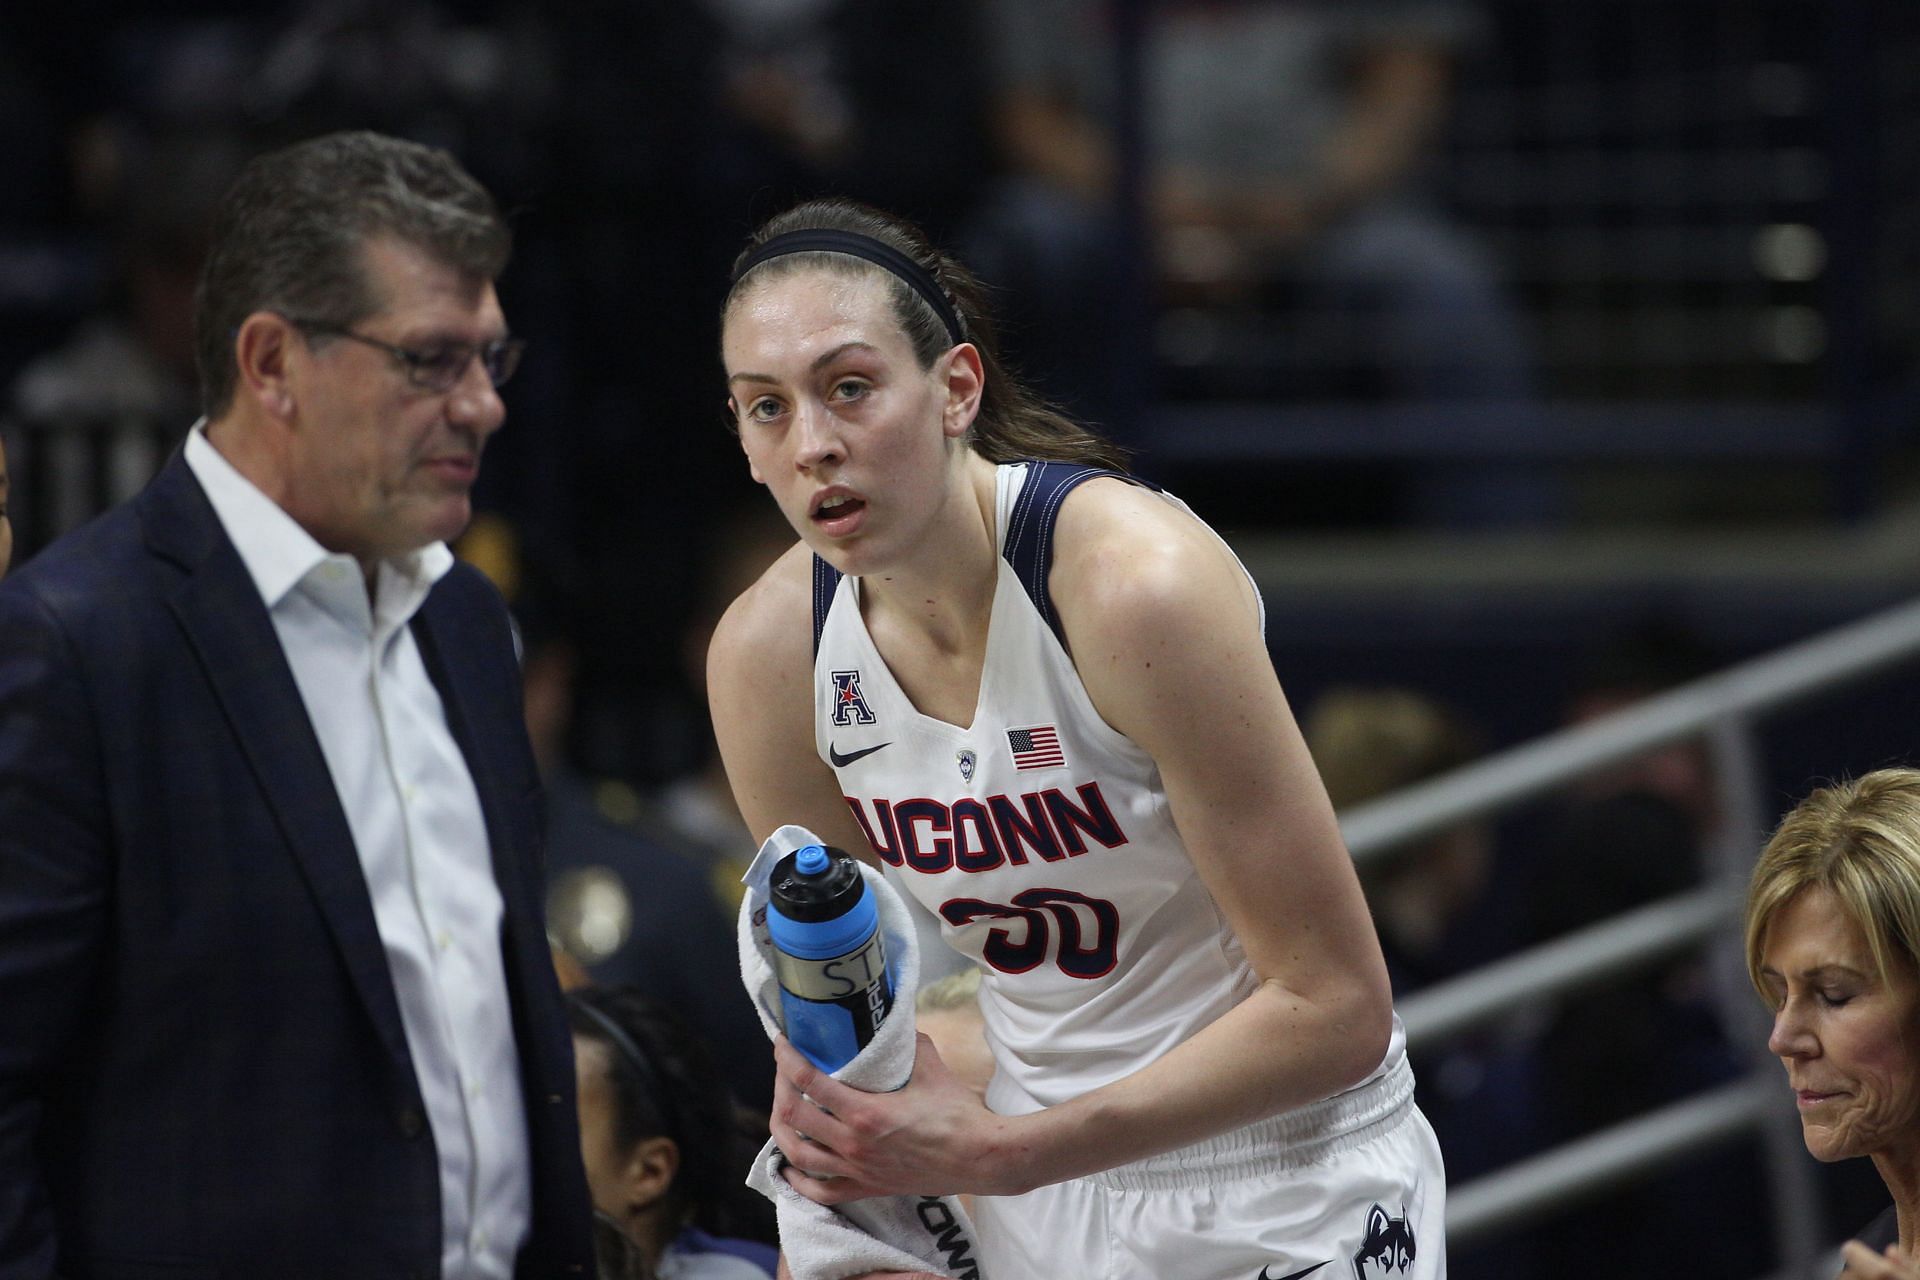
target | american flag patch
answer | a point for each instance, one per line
(1035, 748)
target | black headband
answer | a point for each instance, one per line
(627, 1047)
(824, 240)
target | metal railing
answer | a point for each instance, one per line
(1843, 655)
(66, 470)
(1721, 708)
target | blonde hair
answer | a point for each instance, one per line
(1860, 841)
(955, 991)
(1368, 742)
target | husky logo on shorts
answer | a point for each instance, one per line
(1388, 1246)
(849, 704)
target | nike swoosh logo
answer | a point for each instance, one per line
(1293, 1275)
(842, 761)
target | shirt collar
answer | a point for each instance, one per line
(278, 553)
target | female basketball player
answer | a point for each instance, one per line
(1038, 694)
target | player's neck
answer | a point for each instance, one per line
(942, 593)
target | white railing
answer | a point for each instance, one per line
(1722, 709)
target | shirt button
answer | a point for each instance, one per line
(412, 1123)
(479, 1242)
(442, 940)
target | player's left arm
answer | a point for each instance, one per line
(1165, 632)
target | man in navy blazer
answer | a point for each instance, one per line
(275, 992)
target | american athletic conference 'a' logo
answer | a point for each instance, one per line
(849, 704)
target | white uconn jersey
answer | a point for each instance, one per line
(1039, 835)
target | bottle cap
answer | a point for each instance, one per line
(815, 883)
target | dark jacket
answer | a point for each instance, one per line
(203, 1069)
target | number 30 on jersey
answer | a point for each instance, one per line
(1082, 934)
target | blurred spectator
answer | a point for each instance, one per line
(1430, 907)
(1639, 830)
(665, 1151)
(1369, 743)
(6, 515)
(1285, 143)
(684, 123)
(169, 97)
(697, 806)
(135, 360)
(96, 415)
(49, 267)
(1626, 837)
(1636, 662)
(624, 900)
(871, 99)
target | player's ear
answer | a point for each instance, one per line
(966, 381)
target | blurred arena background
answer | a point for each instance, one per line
(1603, 378)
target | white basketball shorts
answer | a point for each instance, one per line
(1351, 1188)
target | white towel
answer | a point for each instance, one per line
(885, 1233)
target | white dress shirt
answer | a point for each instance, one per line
(422, 841)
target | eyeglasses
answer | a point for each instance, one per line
(438, 368)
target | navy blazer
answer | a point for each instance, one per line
(203, 1070)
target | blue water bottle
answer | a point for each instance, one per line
(828, 955)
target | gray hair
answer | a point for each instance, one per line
(289, 233)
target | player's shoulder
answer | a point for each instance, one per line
(1119, 545)
(1114, 508)
(772, 619)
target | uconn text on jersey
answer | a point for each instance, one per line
(932, 836)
